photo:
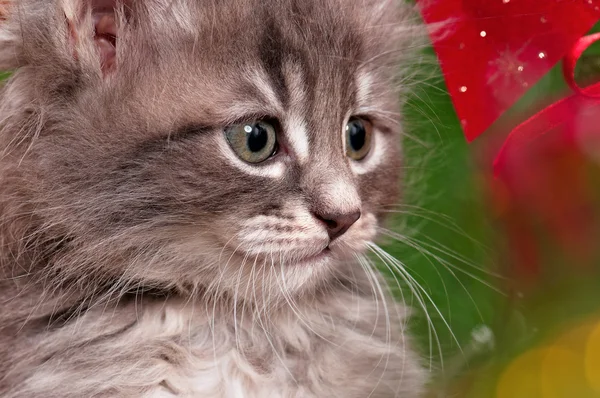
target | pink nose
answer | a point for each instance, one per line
(338, 224)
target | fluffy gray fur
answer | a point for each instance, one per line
(138, 259)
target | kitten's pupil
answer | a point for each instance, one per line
(357, 135)
(253, 142)
(258, 137)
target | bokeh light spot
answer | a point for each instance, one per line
(592, 359)
(522, 379)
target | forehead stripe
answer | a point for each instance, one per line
(297, 135)
(271, 50)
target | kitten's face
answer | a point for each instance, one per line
(239, 146)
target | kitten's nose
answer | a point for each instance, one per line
(337, 224)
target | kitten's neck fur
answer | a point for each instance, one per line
(342, 341)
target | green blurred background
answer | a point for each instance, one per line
(478, 319)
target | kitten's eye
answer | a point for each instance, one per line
(253, 142)
(358, 138)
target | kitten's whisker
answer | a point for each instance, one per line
(226, 245)
(215, 300)
(417, 290)
(401, 268)
(266, 330)
(375, 283)
(193, 299)
(417, 245)
(248, 284)
(387, 53)
(265, 288)
(293, 306)
(426, 116)
(458, 280)
(374, 288)
(389, 289)
(424, 82)
(449, 223)
(403, 326)
(454, 254)
(395, 122)
(235, 304)
(438, 247)
(431, 330)
(443, 249)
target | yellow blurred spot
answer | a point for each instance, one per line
(562, 374)
(592, 359)
(569, 367)
(551, 372)
(522, 379)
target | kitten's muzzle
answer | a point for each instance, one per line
(337, 224)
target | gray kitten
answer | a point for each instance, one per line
(187, 188)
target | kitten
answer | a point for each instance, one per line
(187, 191)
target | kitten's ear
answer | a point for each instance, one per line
(8, 39)
(4, 5)
(94, 27)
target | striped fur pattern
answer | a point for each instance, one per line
(141, 257)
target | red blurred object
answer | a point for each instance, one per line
(541, 174)
(542, 191)
(492, 51)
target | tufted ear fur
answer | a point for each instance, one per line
(93, 29)
(8, 38)
(71, 34)
(3, 10)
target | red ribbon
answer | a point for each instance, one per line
(571, 59)
(584, 101)
(492, 51)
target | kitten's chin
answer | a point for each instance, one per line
(324, 257)
(329, 256)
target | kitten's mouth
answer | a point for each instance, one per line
(289, 259)
(322, 255)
